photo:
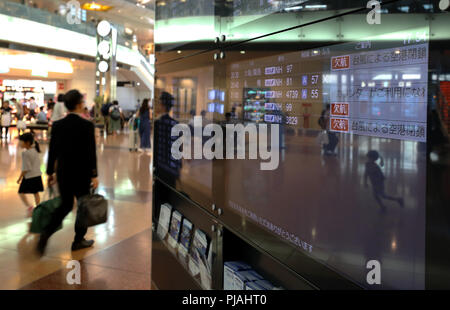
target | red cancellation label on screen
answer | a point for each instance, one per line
(339, 124)
(339, 109)
(340, 62)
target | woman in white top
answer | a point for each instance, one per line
(30, 179)
(59, 111)
(5, 121)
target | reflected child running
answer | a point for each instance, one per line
(376, 176)
(30, 179)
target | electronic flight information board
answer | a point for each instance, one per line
(350, 188)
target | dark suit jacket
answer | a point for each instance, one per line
(72, 152)
(166, 167)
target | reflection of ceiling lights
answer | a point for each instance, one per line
(95, 7)
(129, 31)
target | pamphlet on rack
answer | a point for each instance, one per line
(164, 220)
(185, 237)
(198, 251)
(175, 226)
(205, 271)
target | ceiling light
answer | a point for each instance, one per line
(179, 52)
(4, 68)
(103, 66)
(39, 72)
(95, 7)
(103, 28)
(72, 59)
(242, 52)
(103, 48)
(37, 63)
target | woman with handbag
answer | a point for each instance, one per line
(5, 112)
(144, 124)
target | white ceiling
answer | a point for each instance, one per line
(123, 12)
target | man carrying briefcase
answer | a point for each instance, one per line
(72, 157)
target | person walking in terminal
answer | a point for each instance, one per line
(166, 166)
(72, 155)
(333, 140)
(59, 110)
(32, 105)
(5, 121)
(376, 176)
(19, 108)
(144, 124)
(115, 117)
(30, 179)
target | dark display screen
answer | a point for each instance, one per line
(349, 190)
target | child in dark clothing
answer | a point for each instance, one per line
(376, 176)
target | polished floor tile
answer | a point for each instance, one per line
(120, 257)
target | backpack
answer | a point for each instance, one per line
(115, 114)
(136, 123)
(105, 109)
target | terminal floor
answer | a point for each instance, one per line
(120, 257)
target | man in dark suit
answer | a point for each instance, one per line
(72, 157)
(166, 167)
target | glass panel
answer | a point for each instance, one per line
(190, 82)
(182, 28)
(349, 186)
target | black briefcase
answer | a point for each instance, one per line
(92, 210)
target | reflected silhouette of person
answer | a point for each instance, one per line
(333, 140)
(377, 178)
(166, 167)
